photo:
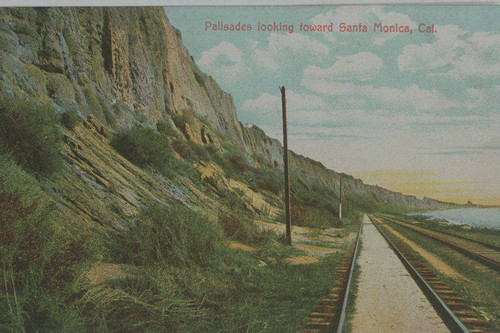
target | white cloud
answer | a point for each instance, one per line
(268, 107)
(432, 55)
(281, 47)
(322, 19)
(413, 98)
(382, 118)
(362, 66)
(480, 59)
(478, 54)
(484, 99)
(268, 102)
(224, 61)
(424, 119)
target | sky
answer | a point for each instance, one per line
(99, 3)
(416, 111)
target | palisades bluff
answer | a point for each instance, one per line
(221, 26)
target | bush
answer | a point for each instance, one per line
(200, 151)
(239, 228)
(211, 149)
(31, 133)
(166, 128)
(178, 237)
(180, 121)
(190, 151)
(268, 184)
(239, 163)
(182, 148)
(69, 119)
(146, 147)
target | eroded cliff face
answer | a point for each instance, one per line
(123, 65)
(128, 66)
(313, 173)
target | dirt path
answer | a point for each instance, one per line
(388, 300)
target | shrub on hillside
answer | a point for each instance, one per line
(69, 119)
(185, 150)
(211, 149)
(268, 184)
(145, 147)
(166, 128)
(239, 163)
(31, 134)
(191, 151)
(178, 237)
(200, 151)
(239, 228)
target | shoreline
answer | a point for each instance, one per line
(462, 217)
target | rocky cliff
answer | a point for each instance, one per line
(127, 67)
(123, 65)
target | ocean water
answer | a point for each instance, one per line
(474, 217)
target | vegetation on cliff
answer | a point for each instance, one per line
(125, 176)
(30, 133)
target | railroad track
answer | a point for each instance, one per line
(486, 254)
(488, 245)
(329, 314)
(450, 306)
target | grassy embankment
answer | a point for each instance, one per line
(176, 270)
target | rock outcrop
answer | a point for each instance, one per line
(128, 66)
(123, 65)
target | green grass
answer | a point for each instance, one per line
(38, 258)
(185, 278)
(177, 237)
(31, 134)
(166, 128)
(192, 282)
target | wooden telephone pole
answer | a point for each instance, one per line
(340, 199)
(285, 165)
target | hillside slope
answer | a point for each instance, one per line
(127, 67)
(132, 198)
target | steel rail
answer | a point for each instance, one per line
(489, 245)
(492, 263)
(343, 311)
(446, 314)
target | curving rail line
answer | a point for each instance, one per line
(488, 245)
(487, 254)
(450, 306)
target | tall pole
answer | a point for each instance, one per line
(340, 199)
(285, 164)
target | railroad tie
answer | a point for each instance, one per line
(472, 320)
